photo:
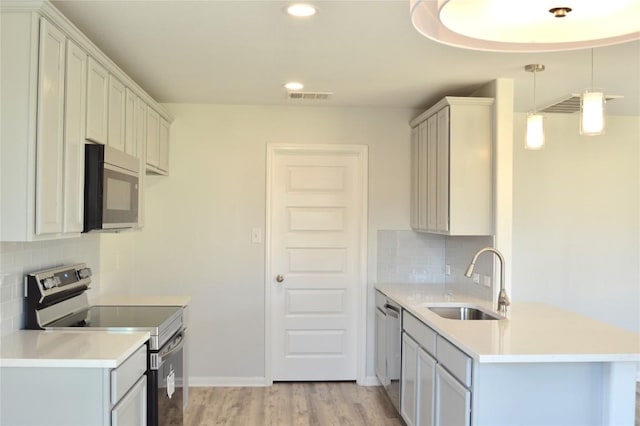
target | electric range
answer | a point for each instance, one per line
(56, 299)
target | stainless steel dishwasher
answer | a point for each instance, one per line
(388, 345)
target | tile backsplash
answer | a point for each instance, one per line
(20, 258)
(410, 257)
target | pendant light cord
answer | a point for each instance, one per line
(592, 86)
(534, 91)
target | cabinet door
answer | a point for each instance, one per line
(409, 380)
(116, 116)
(453, 400)
(381, 348)
(50, 138)
(443, 170)
(426, 389)
(415, 159)
(163, 141)
(131, 410)
(130, 137)
(432, 173)
(153, 135)
(422, 176)
(97, 102)
(74, 131)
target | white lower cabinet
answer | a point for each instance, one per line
(431, 395)
(132, 409)
(453, 401)
(409, 378)
(426, 388)
(108, 397)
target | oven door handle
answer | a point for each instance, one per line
(176, 345)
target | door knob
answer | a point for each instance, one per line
(279, 278)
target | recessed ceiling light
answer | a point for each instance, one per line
(294, 85)
(301, 10)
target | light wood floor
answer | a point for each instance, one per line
(285, 404)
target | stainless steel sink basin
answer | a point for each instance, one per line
(463, 313)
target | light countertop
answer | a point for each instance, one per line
(120, 299)
(76, 349)
(532, 332)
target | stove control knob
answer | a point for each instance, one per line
(56, 281)
(84, 273)
(48, 283)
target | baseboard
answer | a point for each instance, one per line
(370, 381)
(210, 382)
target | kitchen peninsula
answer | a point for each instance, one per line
(541, 364)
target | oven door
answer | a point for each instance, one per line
(165, 385)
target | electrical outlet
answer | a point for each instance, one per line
(486, 281)
(476, 278)
(447, 269)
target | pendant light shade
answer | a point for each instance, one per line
(535, 131)
(592, 109)
(534, 138)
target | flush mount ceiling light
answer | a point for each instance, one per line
(301, 10)
(534, 138)
(293, 85)
(527, 25)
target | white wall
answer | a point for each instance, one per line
(576, 219)
(197, 235)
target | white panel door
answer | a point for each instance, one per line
(409, 380)
(425, 407)
(49, 145)
(453, 401)
(317, 206)
(74, 131)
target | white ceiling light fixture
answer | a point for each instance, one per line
(526, 25)
(534, 138)
(294, 85)
(592, 109)
(301, 10)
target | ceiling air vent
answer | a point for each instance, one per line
(571, 104)
(311, 96)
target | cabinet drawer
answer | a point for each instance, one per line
(454, 360)
(420, 332)
(128, 373)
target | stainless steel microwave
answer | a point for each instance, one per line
(111, 185)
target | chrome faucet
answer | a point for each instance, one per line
(503, 299)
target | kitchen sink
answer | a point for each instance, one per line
(463, 313)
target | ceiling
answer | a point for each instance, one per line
(366, 52)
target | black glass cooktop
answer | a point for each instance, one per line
(119, 317)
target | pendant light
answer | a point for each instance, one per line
(592, 115)
(534, 139)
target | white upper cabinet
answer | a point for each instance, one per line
(62, 93)
(74, 131)
(50, 135)
(116, 116)
(163, 141)
(153, 138)
(130, 139)
(157, 143)
(453, 184)
(97, 102)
